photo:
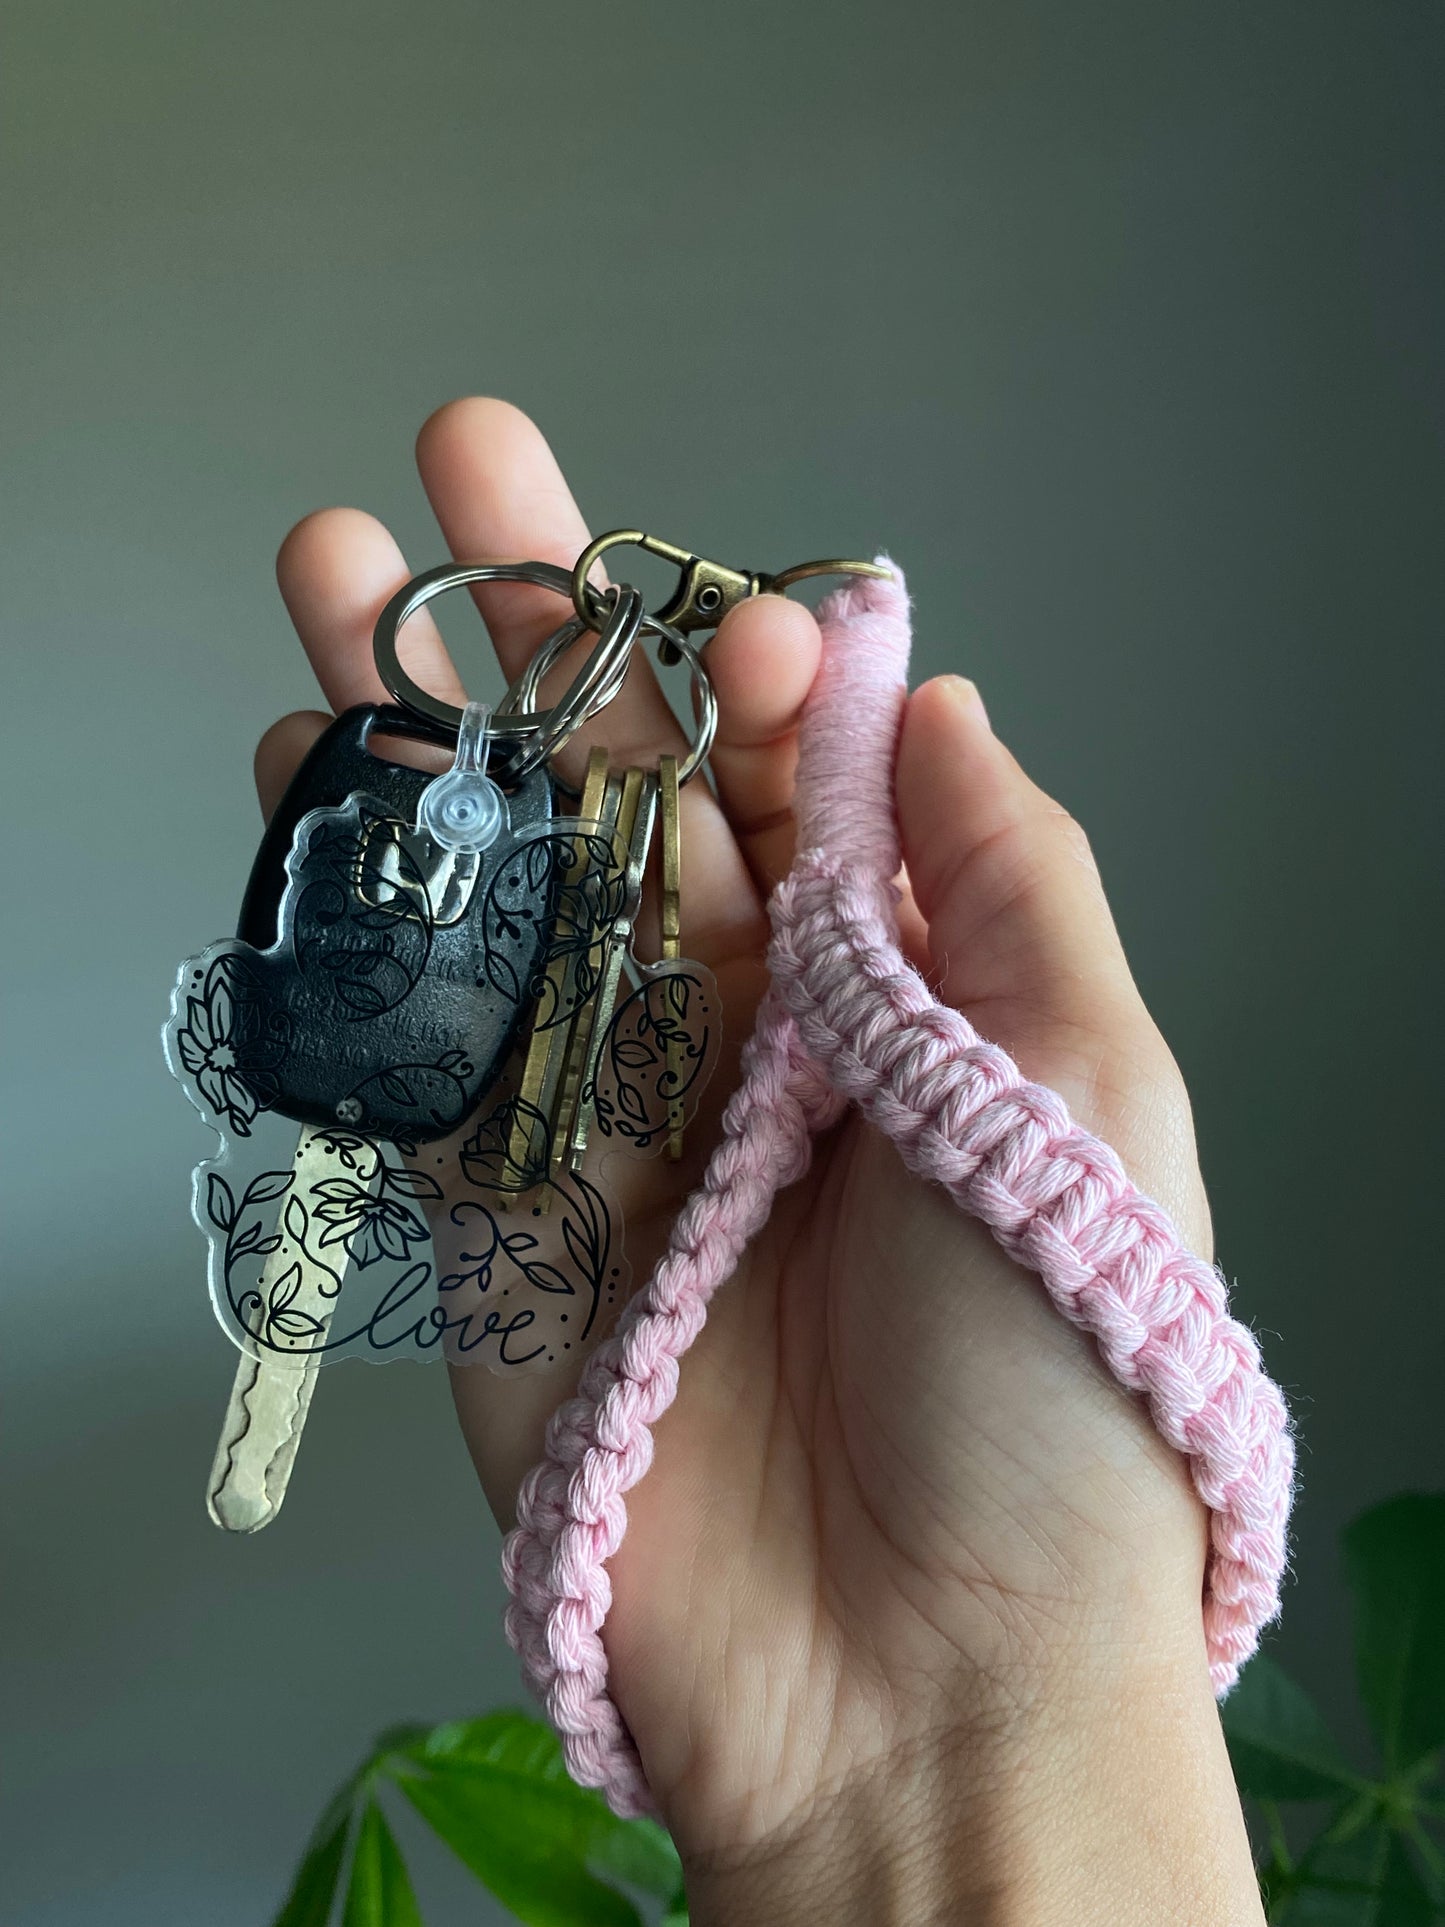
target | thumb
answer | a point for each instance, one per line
(1022, 941)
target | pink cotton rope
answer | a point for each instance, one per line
(848, 1020)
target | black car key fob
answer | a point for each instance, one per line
(378, 992)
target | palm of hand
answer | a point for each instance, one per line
(892, 1470)
(890, 1464)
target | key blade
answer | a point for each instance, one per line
(271, 1394)
(670, 816)
(547, 1050)
(635, 820)
(624, 791)
(259, 1437)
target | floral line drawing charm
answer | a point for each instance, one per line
(402, 1223)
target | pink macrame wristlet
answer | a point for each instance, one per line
(848, 1020)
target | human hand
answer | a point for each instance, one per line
(908, 1613)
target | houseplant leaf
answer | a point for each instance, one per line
(1279, 1746)
(507, 1741)
(379, 1892)
(512, 1750)
(1395, 1561)
(313, 1891)
(1404, 1899)
(1369, 1880)
(530, 1855)
(640, 1854)
(1342, 1883)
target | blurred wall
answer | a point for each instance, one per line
(1120, 325)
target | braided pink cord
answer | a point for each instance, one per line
(1007, 1151)
(849, 1020)
(570, 1511)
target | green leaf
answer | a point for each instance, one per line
(1404, 1898)
(1279, 1746)
(1341, 1883)
(1371, 1880)
(526, 1852)
(515, 1742)
(313, 1891)
(1395, 1559)
(510, 1750)
(497, 1791)
(639, 1853)
(1431, 1860)
(379, 1893)
(397, 1739)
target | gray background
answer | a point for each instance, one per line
(1120, 325)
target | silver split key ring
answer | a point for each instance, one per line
(597, 682)
(616, 614)
(524, 691)
(414, 596)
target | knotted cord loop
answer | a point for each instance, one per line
(848, 1020)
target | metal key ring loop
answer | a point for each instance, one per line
(511, 724)
(422, 589)
(524, 690)
(601, 677)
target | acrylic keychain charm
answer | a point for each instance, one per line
(400, 938)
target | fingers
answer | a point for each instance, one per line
(497, 492)
(1016, 914)
(1001, 873)
(1021, 940)
(495, 488)
(763, 661)
(336, 571)
(279, 754)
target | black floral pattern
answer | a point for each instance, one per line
(468, 1244)
(363, 920)
(371, 1224)
(580, 877)
(656, 1057)
(232, 1044)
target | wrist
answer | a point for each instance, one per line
(1106, 1798)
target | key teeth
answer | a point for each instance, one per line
(233, 1502)
(221, 1494)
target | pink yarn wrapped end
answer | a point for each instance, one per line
(848, 1019)
(849, 740)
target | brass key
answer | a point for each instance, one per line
(543, 1070)
(636, 815)
(669, 801)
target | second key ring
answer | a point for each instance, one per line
(598, 681)
(524, 690)
(517, 721)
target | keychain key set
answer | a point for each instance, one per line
(433, 1054)
(434, 977)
